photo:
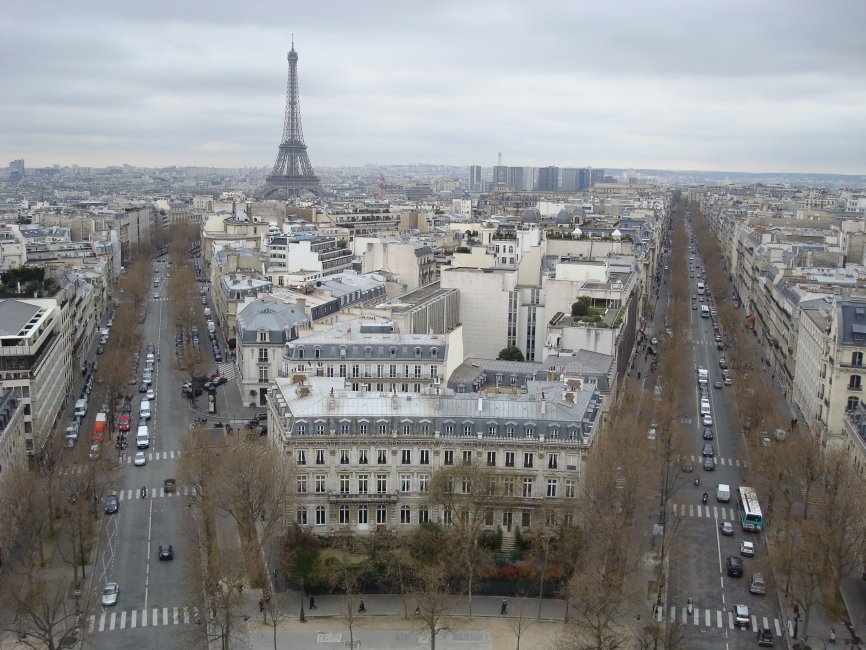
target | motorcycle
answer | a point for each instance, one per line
(697, 480)
(690, 607)
(143, 492)
(705, 498)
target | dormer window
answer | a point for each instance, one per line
(417, 353)
(317, 352)
(368, 352)
(342, 351)
(392, 352)
(300, 352)
(263, 337)
(434, 352)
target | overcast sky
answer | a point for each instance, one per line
(773, 85)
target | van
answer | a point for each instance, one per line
(723, 493)
(144, 411)
(211, 326)
(142, 438)
(80, 408)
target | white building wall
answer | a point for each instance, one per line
(807, 382)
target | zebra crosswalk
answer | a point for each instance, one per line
(719, 619)
(227, 370)
(154, 493)
(730, 462)
(150, 617)
(708, 511)
(155, 455)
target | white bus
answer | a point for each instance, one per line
(705, 311)
(750, 509)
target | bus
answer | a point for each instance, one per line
(705, 311)
(700, 288)
(750, 509)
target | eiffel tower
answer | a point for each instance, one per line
(292, 173)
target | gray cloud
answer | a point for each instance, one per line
(776, 85)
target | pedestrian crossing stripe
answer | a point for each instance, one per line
(730, 462)
(227, 370)
(708, 511)
(716, 618)
(151, 617)
(155, 455)
(155, 493)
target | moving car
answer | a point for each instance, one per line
(741, 616)
(709, 463)
(708, 450)
(140, 459)
(151, 394)
(747, 549)
(726, 528)
(109, 594)
(708, 434)
(688, 466)
(707, 421)
(734, 566)
(765, 637)
(112, 504)
(166, 552)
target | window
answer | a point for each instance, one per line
(344, 514)
(449, 457)
(382, 455)
(344, 456)
(423, 515)
(569, 488)
(405, 515)
(530, 432)
(302, 457)
(263, 337)
(571, 461)
(491, 459)
(509, 459)
(856, 358)
(527, 487)
(344, 484)
(362, 430)
(551, 487)
(525, 519)
(300, 352)
(320, 456)
(417, 353)
(491, 430)
(383, 428)
(362, 483)
(320, 483)
(302, 484)
(553, 434)
(405, 482)
(362, 456)
(467, 456)
(406, 457)
(381, 515)
(423, 482)
(509, 430)
(342, 370)
(263, 375)
(425, 456)
(320, 516)
(320, 429)
(467, 430)
(466, 486)
(552, 461)
(527, 459)
(446, 517)
(301, 517)
(406, 428)
(853, 402)
(488, 518)
(381, 483)
(854, 382)
(355, 370)
(508, 487)
(368, 352)
(392, 352)
(345, 428)
(362, 514)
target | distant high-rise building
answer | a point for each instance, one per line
(569, 179)
(515, 178)
(16, 170)
(500, 176)
(475, 177)
(596, 176)
(548, 179)
(583, 178)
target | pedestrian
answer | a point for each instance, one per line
(504, 609)
(832, 635)
(267, 598)
(261, 604)
(417, 610)
(312, 602)
(361, 608)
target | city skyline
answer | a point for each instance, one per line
(643, 86)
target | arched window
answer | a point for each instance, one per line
(392, 352)
(417, 353)
(368, 352)
(300, 352)
(317, 352)
(405, 515)
(320, 516)
(434, 352)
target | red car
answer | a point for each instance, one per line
(123, 422)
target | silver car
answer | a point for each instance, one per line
(109, 594)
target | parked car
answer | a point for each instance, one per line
(112, 504)
(109, 594)
(765, 638)
(726, 528)
(734, 566)
(747, 549)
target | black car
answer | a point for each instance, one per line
(708, 434)
(112, 504)
(709, 464)
(127, 408)
(734, 566)
(166, 552)
(765, 637)
(262, 415)
(708, 450)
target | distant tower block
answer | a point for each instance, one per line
(292, 173)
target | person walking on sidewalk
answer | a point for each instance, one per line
(504, 609)
(361, 608)
(312, 602)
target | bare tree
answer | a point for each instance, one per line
(344, 578)
(433, 600)
(470, 493)
(520, 623)
(24, 513)
(45, 617)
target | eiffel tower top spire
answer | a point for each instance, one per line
(292, 172)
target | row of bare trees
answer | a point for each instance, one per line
(811, 494)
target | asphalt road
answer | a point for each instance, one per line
(154, 608)
(698, 550)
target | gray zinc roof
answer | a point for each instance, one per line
(14, 315)
(272, 315)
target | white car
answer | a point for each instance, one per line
(747, 549)
(708, 421)
(151, 394)
(109, 594)
(156, 296)
(140, 459)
